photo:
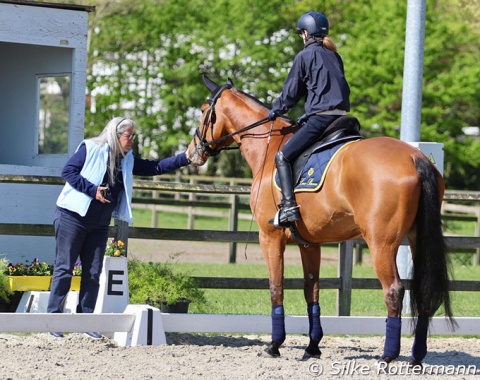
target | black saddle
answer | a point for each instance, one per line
(343, 129)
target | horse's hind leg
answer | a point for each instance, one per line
(311, 271)
(384, 262)
(419, 348)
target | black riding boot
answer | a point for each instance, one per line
(289, 212)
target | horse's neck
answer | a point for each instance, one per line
(259, 148)
(259, 144)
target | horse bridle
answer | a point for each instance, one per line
(208, 123)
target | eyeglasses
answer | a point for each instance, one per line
(129, 137)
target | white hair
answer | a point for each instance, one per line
(110, 134)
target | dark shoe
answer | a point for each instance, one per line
(57, 334)
(93, 335)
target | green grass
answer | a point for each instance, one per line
(143, 218)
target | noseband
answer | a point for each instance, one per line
(204, 146)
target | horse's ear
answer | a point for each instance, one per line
(230, 82)
(211, 85)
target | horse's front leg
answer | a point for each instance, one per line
(273, 247)
(311, 273)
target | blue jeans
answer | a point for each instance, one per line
(77, 238)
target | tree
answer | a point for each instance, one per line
(146, 59)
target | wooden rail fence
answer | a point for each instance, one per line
(344, 283)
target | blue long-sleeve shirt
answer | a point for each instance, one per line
(101, 213)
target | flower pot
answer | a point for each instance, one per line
(75, 285)
(29, 283)
(177, 307)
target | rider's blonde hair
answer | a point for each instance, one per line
(327, 42)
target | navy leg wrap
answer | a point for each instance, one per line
(315, 327)
(392, 337)
(278, 324)
(419, 349)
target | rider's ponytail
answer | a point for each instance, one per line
(327, 42)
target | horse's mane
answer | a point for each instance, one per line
(259, 102)
(251, 97)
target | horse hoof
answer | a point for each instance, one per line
(272, 351)
(387, 359)
(307, 355)
(312, 351)
(413, 364)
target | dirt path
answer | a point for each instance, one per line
(186, 356)
(203, 252)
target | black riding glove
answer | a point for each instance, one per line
(272, 115)
(302, 120)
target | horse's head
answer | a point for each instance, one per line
(211, 136)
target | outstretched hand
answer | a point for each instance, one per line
(187, 155)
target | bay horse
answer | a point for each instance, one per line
(381, 189)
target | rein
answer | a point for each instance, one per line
(209, 121)
(205, 143)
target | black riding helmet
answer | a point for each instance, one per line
(315, 23)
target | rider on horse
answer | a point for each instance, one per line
(317, 75)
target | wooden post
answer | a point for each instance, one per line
(345, 268)
(476, 257)
(191, 211)
(122, 233)
(358, 254)
(154, 210)
(178, 179)
(233, 226)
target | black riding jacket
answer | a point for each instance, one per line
(317, 73)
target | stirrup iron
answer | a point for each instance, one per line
(284, 221)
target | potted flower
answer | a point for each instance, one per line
(77, 277)
(162, 286)
(115, 248)
(30, 276)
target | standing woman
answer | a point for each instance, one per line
(99, 185)
(317, 75)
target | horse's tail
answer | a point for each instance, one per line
(430, 283)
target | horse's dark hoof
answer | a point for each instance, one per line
(272, 351)
(307, 355)
(312, 351)
(387, 359)
(413, 364)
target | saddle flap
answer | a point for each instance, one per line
(342, 130)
